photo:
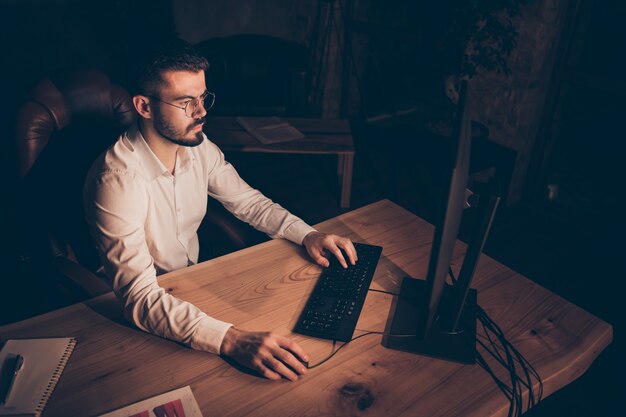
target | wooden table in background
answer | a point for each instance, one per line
(265, 288)
(322, 137)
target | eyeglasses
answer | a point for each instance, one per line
(192, 106)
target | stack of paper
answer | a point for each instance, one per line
(268, 130)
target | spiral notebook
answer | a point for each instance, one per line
(44, 361)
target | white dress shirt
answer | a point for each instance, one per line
(144, 220)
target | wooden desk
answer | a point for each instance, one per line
(322, 137)
(265, 287)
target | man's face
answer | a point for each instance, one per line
(178, 88)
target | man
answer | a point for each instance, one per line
(146, 196)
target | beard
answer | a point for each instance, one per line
(176, 135)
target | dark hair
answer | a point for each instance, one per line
(171, 55)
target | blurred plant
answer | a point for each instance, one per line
(476, 34)
(420, 49)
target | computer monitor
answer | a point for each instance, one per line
(432, 317)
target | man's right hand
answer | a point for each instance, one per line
(269, 354)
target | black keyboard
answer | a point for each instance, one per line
(335, 304)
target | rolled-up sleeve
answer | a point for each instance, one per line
(249, 204)
(116, 206)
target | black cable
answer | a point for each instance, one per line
(497, 345)
(500, 360)
(384, 292)
(367, 333)
(506, 390)
(487, 336)
(508, 364)
(334, 352)
(496, 355)
(529, 369)
(526, 366)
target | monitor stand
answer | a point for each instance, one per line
(452, 335)
(458, 346)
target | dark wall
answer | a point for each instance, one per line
(198, 20)
(391, 62)
(38, 37)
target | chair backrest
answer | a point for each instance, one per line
(63, 97)
(69, 118)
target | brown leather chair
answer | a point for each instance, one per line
(70, 118)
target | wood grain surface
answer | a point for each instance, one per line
(265, 288)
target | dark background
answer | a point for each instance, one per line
(559, 110)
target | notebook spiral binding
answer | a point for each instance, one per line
(56, 376)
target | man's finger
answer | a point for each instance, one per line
(268, 373)
(287, 354)
(280, 368)
(321, 261)
(337, 252)
(317, 254)
(348, 247)
(293, 347)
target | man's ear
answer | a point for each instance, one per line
(143, 106)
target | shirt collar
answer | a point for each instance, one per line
(152, 166)
(183, 159)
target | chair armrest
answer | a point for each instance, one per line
(91, 284)
(220, 233)
(227, 224)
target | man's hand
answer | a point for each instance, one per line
(319, 245)
(267, 353)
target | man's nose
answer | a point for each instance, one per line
(200, 110)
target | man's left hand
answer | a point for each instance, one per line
(321, 245)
